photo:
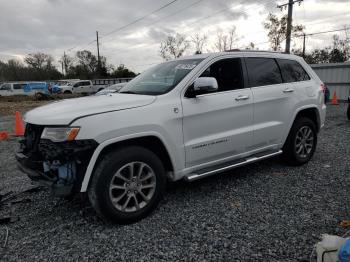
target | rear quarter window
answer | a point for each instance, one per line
(263, 71)
(292, 71)
(18, 86)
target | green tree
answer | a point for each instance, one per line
(277, 28)
(123, 72)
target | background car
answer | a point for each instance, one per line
(111, 89)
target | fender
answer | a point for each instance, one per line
(296, 112)
(106, 143)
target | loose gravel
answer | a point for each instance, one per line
(262, 212)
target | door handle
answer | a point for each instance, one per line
(239, 98)
(288, 90)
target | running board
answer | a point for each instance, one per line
(221, 168)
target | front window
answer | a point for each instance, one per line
(162, 78)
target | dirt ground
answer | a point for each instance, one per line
(10, 104)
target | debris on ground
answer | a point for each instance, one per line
(345, 223)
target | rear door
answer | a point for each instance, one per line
(218, 126)
(78, 87)
(274, 102)
(18, 89)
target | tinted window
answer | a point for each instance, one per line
(18, 86)
(5, 87)
(263, 72)
(228, 74)
(292, 71)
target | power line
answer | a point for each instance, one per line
(170, 15)
(129, 24)
(205, 18)
(139, 19)
(324, 32)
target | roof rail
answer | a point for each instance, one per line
(257, 51)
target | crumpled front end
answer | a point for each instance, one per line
(59, 165)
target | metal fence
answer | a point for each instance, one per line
(109, 81)
(336, 76)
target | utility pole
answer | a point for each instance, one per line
(289, 21)
(304, 36)
(62, 67)
(65, 62)
(98, 55)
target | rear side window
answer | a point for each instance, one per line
(263, 71)
(292, 71)
(18, 86)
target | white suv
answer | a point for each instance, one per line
(78, 87)
(183, 119)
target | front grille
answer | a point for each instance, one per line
(32, 136)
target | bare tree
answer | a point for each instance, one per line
(39, 61)
(173, 47)
(277, 28)
(67, 62)
(199, 42)
(225, 41)
(87, 60)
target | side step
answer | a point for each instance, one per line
(233, 164)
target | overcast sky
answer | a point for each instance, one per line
(55, 26)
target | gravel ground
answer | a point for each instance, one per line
(262, 212)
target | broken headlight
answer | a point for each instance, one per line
(60, 134)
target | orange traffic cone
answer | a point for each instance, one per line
(19, 129)
(4, 135)
(334, 98)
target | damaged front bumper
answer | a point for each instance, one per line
(61, 166)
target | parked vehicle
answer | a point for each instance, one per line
(22, 88)
(100, 84)
(78, 87)
(111, 89)
(184, 119)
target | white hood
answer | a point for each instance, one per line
(65, 111)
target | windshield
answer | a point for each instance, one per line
(162, 78)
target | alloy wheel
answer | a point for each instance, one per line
(132, 187)
(304, 141)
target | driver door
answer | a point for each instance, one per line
(218, 126)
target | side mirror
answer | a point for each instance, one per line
(205, 84)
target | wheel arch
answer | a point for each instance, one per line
(312, 113)
(150, 141)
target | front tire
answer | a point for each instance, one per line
(301, 142)
(127, 185)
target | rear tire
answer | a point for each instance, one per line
(301, 142)
(127, 185)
